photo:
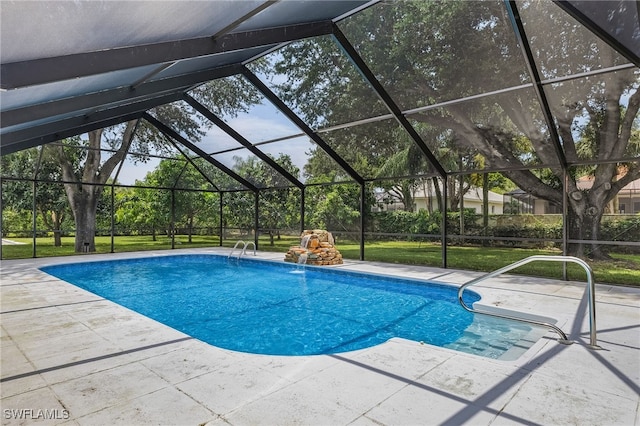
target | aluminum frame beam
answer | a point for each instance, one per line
(169, 132)
(12, 141)
(141, 92)
(523, 41)
(195, 166)
(27, 73)
(301, 124)
(241, 140)
(359, 63)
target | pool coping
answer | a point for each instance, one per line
(90, 361)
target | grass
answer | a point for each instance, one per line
(624, 269)
(45, 247)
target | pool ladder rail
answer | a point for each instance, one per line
(563, 337)
(244, 248)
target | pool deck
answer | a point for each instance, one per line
(69, 354)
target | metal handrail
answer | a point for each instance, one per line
(244, 249)
(563, 337)
(236, 246)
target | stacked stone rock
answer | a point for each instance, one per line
(318, 246)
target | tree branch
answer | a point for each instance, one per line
(627, 122)
(65, 164)
(633, 173)
(92, 162)
(564, 130)
(529, 182)
(118, 156)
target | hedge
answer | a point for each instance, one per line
(542, 230)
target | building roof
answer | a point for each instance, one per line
(474, 194)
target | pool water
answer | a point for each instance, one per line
(285, 309)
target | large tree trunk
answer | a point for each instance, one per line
(57, 238)
(84, 198)
(453, 195)
(408, 199)
(84, 203)
(596, 251)
(584, 224)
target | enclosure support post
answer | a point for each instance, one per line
(256, 221)
(362, 221)
(220, 214)
(113, 222)
(461, 206)
(1, 214)
(34, 214)
(443, 224)
(173, 218)
(565, 227)
(485, 208)
(302, 195)
(35, 206)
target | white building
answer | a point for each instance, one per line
(627, 201)
(426, 200)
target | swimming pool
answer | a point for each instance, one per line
(283, 309)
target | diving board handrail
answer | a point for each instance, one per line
(563, 337)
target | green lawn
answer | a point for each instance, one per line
(624, 269)
(45, 247)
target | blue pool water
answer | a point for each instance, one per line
(280, 309)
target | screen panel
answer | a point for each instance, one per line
(583, 107)
(253, 169)
(377, 149)
(429, 52)
(316, 80)
(506, 130)
(561, 45)
(620, 19)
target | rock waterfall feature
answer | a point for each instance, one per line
(316, 248)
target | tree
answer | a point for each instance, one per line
(277, 206)
(407, 161)
(238, 211)
(129, 212)
(82, 160)
(144, 210)
(185, 196)
(429, 52)
(50, 200)
(84, 196)
(333, 207)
